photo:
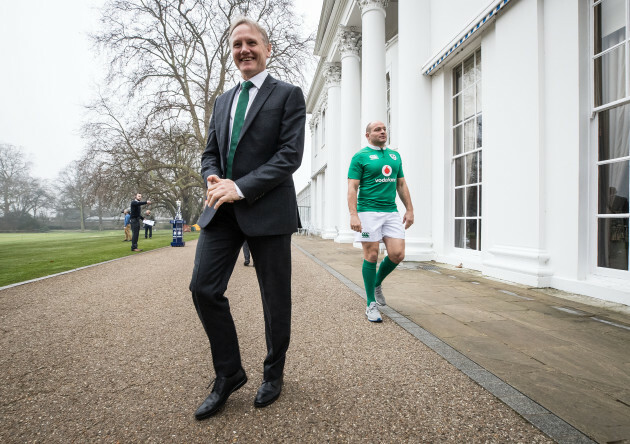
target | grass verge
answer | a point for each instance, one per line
(25, 256)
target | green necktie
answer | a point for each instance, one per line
(239, 118)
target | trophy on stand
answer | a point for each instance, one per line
(178, 227)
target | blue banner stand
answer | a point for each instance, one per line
(178, 233)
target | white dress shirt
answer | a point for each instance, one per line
(257, 81)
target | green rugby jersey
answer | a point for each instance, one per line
(378, 171)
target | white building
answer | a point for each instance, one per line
(512, 118)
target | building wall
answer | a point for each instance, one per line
(565, 148)
(450, 17)
(391, 66)
(539, 186)
(514, 180)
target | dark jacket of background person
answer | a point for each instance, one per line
(135, 222)
(148, 229)
(136, 207)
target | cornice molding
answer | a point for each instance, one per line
(466, 36)
(316, 86)
(326, 16)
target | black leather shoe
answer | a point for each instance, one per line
(246, 263)
(268, 392)
(223, 388)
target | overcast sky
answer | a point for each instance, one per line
(49, 73)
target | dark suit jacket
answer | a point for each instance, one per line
(135, 208)
(269, 150)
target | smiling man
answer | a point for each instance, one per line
(374, 177)
(255, 143)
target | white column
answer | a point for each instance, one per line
(335, 178)
(415, 121)
(313, 126)
(349, 46)
(328, 224)
(374, 87)
(310, 223)
(313, 202)
(321, 188)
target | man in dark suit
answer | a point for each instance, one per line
(135, 220)
(255, 143)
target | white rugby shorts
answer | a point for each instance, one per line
(376, 225)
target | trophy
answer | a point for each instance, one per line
(178, 215)
(178, 227)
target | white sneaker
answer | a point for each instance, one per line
(372, 313)
(378, 295)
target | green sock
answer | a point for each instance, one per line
(369, 273)
(384, 269)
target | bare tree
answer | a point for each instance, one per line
(162, 162)
(105, 198)
(14, 172)
(74, 188)
(34, 196)
(170, 60)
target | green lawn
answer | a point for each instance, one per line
(25, 256)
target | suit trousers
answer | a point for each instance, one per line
(135, 232)
(218, 248)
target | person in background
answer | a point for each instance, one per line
(136, 205)
(374, 177)
(127, 226)
(148, 228)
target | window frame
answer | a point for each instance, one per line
(452, 157)
(626, 42)
(595, 163)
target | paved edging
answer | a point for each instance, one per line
(541, 418)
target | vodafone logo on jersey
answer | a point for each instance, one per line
(387, 171)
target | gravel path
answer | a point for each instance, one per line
(116, 353)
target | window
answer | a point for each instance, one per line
(466, 158)
(611, 101)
